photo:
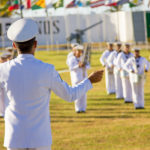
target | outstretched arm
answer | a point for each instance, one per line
(66, 92)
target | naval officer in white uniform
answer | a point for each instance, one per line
(78, 72)
(122, 59)
(26, 84)
(137, 66)
(112, 63)
(109, 75)
(73, 45)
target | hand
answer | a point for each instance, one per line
(132, 71)
(81, 64)
(96, 76)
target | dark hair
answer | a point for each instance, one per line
(25, 47)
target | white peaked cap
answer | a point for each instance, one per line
(110, 43)
(74, 45)
(79, 47)
(118, 43)
(5, 55)
(127, 44)
(136, 49)
(22, 30)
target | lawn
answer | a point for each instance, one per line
(108, 124)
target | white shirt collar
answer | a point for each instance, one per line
(25, 56)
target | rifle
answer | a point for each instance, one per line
(86, 57)
(87, 54)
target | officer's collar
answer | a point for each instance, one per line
(25, 55)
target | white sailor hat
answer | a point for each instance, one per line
(118, 43)
(136, 49)
(127, 44)
(79, 47)
(110, 43)
(22, 30)
(5, 55)
(74, 45)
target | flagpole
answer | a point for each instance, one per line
(21, 12)
(47, 40)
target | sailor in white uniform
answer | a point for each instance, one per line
(73, 45)
(112, 63)
(137, 66)
(122, 59)
(3, 58)
(26, 84)
(78, 72)
(109, 75)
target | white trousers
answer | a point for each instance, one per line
(127, 91)
(40, 148)
(110, 83)
(2, 105)
(138, 93)
(81, 104)
(118, 85)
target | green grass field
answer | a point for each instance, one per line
(108, 124)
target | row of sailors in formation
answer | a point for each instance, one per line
(125, 73)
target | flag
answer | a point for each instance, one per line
(111, 3)
(121, 2)
(132, 5)
(136, 2)
(71, 4)
(26, 4)
(38, 4)
(15, 5)
(74, 3)
(97, 3)
(59, 3)
(50, 3)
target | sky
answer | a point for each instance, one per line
(79, 10)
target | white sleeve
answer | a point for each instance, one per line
(110, 60)
(73, 64)
(102, 59)
(118, 61)
(147, 64)
(2, 103)
(66, 92)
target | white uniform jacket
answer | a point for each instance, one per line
(68, 57)
(77, 73)
(138, 65)
(122, 59)
(112, 60)
(27, 83)
(104, 58)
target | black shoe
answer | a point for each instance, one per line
(119, 98)
(82, 111)
(128, 102)
(78, 111)
(139, 107)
